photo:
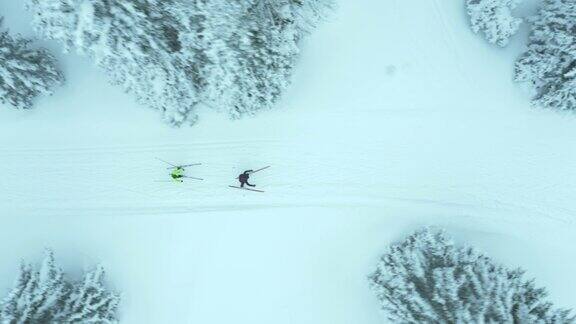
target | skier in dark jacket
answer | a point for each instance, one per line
(244, 178)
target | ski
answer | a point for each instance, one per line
(184, 177)
(246, 188)
(187, 177)
(183, 166)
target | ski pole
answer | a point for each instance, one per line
(266, 167)
(166, 162)
(184, 166)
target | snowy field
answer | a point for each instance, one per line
(398, 117)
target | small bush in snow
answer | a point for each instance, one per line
(174, 55)
(25, 73)
(45, 296)
(427, 279)
(494, 19)
(549, 64)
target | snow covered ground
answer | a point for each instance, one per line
(398, 117)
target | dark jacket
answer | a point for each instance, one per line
(244, 176)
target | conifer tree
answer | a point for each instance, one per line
(494, 19)
(176, 55)
(428, 279)
(25, 73)
(46, 296)
(549, 63)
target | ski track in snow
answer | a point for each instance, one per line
(126, 180)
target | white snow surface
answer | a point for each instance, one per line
(398, 117)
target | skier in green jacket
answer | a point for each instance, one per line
(177, 174)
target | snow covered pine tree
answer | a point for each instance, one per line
(25, 73)
(549, 64)
(265, 47)
(44, 296)
(493, 18)
(175, 55)
(426, 279)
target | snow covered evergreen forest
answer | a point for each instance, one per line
(421, 161)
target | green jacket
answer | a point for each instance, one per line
(177, 173)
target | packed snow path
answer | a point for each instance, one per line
(398, 117)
